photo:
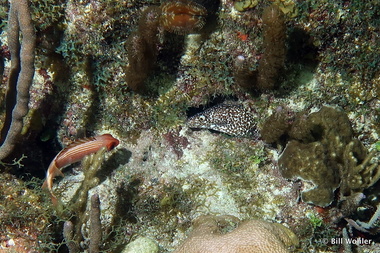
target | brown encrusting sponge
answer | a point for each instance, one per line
(322, 151)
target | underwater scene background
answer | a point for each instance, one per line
(236, 125)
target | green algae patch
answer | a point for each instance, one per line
(21, 205)
(377, 146)
(236, 158)
(241, 165)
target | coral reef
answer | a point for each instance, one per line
(176, 141)
(163, 175)
(323, 151)
(21, 74)
(209, 235)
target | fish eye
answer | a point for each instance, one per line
(202, 118)
(112, 145)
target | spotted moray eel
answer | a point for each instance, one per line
(232, 119)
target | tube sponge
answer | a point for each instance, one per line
(143, 49)
(273, 59)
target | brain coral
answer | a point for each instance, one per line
(250, 236)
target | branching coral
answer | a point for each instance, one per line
(357, 172)
(95, 229)
(73, 230)
(21, 74)
(251, 236)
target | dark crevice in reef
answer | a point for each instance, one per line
(191, 111)
(301, 61)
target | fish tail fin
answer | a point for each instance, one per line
(54, 200)
(57, 172)
(45, 185)
(52, 172)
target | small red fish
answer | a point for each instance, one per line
(74, 153)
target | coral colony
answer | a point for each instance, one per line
(240, 126)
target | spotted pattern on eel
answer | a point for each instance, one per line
(232, 119)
